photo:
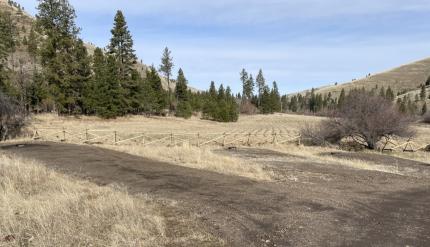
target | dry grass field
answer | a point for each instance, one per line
(184, 195)
(40, 207)
(206, 157)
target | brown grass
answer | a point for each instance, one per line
(312, 154)
(39, 207)
(200, 158)
(205, 158)
(406, 77)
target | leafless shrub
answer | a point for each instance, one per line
(320, 134)
(246, 107)
(12, 118)
(364, 119)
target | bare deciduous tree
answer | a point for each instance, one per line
(365, 119)
(12, 118)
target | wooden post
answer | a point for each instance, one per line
(249, 139)
(171, 139)
(115, 137)
(87, 137)
(223, 139)
(64, 134)
(198, 139)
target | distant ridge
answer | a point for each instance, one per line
(402, 80)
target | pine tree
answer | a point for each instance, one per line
(389, 95)
(261, 82)
(266, 101)
(250, 84)
(341, 99)
(424, 109)
(121, 47)
(7, 46)
(293, 106)
(423, 93)
(8, 35)
(32, 46)
(246, 90)
(154, 98)
(212, 90)
(181, 90)
(182, 96)
(110, 104)
(91, 90)
(166, 68)
(62, 54)
(276, 98)
(382, 93)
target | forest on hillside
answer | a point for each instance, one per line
(57, 73)
(46, 67)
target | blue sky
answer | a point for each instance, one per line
(299, 43)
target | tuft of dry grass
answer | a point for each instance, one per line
(200, 158)
(39, 207)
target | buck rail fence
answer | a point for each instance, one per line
(249, 137)
(254, 137)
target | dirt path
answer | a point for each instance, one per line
(325, 205)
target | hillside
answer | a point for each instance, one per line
(24, 21)
(403, 79)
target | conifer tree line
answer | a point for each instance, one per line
(66, 79)
(316, 103)
(257, 95)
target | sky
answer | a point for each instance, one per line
(300, 44)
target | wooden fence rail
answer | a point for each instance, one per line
(249, 137)
(231, 138)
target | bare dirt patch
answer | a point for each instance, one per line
(336, 206)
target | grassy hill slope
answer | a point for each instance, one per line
(403, 79)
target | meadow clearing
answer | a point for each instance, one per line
(263, 194)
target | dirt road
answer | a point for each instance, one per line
(323, 205)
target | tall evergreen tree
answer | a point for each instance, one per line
(247, 86)
(266, 101)
(61, 53)
(250, 84)
(154, 96)
(91, 91)
(424, 109)
(389, 95)
(32, 44)
(212, 90)
(382, 93)
(110, 104)
(121, 47)
(341, 99)
(261, 83)
(166, 68)
(423, 93)
(181, 90)
(276, 98)
(7, 46)
(182, 96)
